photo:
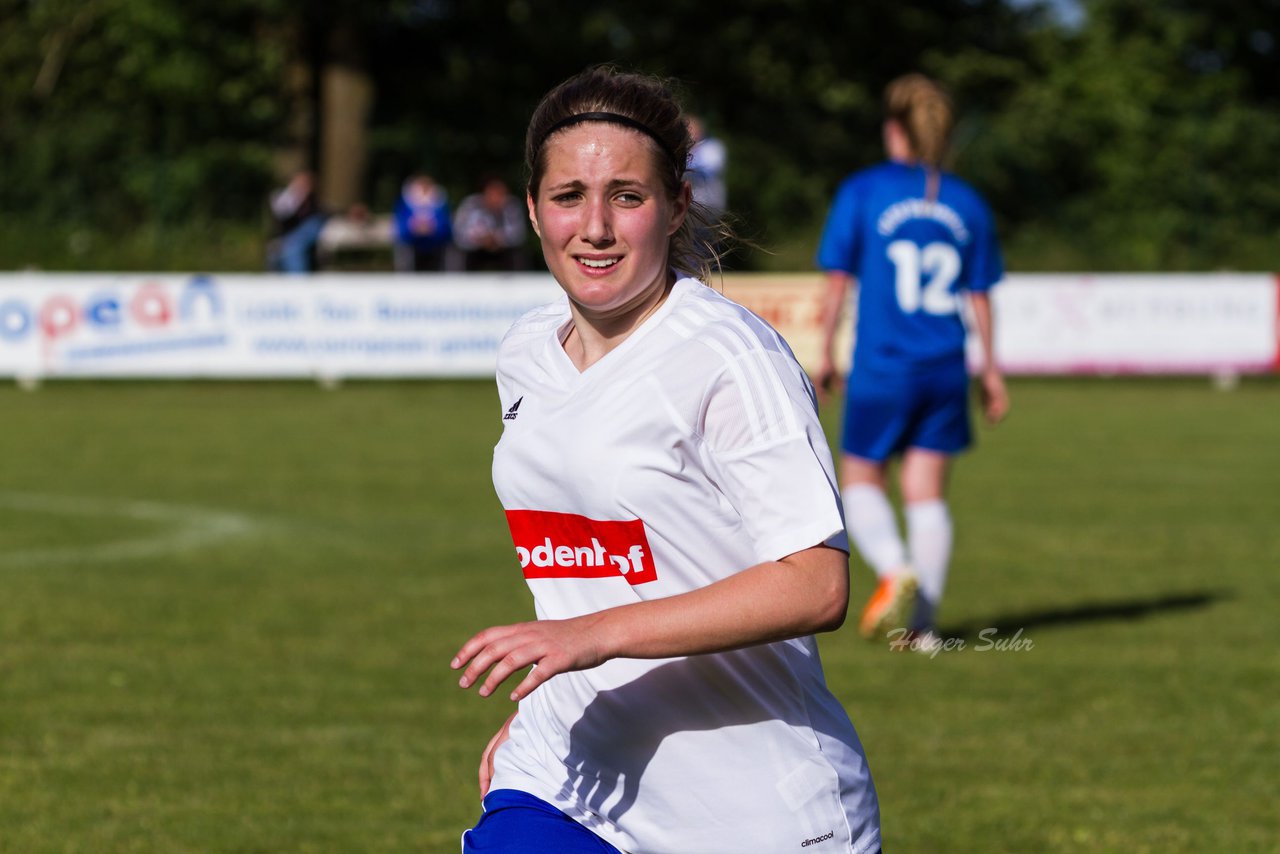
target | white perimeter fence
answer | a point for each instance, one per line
(449, 325)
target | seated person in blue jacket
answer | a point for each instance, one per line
(423, 230)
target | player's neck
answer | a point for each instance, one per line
(592, 337)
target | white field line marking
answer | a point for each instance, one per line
(185, 528)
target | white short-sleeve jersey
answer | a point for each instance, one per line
(688, 453)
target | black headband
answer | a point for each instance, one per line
(613, 118)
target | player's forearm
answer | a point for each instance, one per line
(802, 594)
(982, 318)
(833, 302)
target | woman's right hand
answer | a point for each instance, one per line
(552, 646)
(486, 758)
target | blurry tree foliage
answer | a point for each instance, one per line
(1148, 139)
(116, 112)
(1145, 137)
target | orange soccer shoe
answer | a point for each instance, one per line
(890, 606)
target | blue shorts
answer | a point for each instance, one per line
(516, 822)
(886, 413)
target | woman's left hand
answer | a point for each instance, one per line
(552, 646)
(486, 758)
(995, 397)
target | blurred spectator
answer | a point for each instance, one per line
(489, 228)
(707, 161)
(297, 220)
(422, 228)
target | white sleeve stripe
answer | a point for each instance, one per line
(765, 372)
(779, 397)
(735, 367)
(729, 347)
(757, 395)
(767, 369)
(764, 393)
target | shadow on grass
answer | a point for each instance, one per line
(1092, 612)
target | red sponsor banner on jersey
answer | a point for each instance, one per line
(562, 545)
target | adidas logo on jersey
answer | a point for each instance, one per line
(563, 545)
(513, 411)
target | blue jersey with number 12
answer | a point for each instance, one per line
(911, 257)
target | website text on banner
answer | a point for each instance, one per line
(450, 325)
(259, 326)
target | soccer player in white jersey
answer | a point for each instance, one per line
(673, 507)
(914, 239)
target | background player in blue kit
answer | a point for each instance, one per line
(914, 239)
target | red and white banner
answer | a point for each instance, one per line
(449, 325)
(1137, 324)
(1077, 323)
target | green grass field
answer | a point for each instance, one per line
(226, 612)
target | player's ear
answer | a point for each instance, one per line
(680, 208)
(533, 212)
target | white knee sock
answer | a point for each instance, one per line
(929, 536)
(873, 528)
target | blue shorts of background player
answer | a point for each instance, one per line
(516, 822)
(886, 413)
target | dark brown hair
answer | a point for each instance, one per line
(651, 104)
